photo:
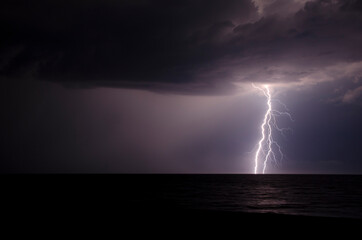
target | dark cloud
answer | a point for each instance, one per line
(122, 42)
(102, 50)
(190, 47)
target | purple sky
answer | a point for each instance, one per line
(165, 86)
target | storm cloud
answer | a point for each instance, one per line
(81, 83)
(188, 47)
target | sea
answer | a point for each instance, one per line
(308, 195)
(332, 196)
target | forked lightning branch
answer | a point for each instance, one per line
(268, 150)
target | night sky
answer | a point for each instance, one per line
(164, 86)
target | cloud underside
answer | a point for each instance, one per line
(189, 47)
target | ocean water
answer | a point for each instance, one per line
(310, 195)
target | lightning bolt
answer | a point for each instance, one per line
(268, 148)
